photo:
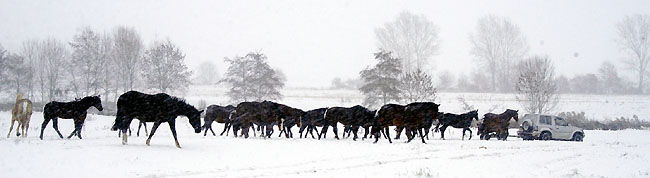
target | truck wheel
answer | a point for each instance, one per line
(527, 127)
(577, 137)
(545, 136)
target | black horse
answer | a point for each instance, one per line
(310, 120)
(463, 121)
(156, 108)
(353, 118)
(76, 110)
(220, 114)
(289, 117)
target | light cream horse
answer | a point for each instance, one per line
(22, 112)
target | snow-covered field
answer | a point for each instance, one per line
(100, 154)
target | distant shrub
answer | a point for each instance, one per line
(580, 120)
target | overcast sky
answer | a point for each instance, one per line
(315, 41)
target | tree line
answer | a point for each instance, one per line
(93, 63)
(498, 45)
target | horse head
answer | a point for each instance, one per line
(513, 114)
(94, 101)
(195, 119)
(474, 114)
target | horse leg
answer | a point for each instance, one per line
(18, 128)
(409, 135)
(45, 121)
(172, 126)
(314, 128)
(55, 124)
(205, 127)
(213, 134)
(124, 138)
(269, 130)
(470, 133)
(442, 131)
(153, 130)
(146, 133)
(139, 126)
(11, 127)
(398, 132)
(388, 135)
(227, 128)
(355, 129)
(323, 132)
(421, 136)
(244, 131)
(365, 133)
(24, 128)
(336, 131)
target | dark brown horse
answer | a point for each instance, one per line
(76, 110)
(418, 114)
(265, 114)
(497, 123)
(220, 114)
(388, 115)
(462, 121)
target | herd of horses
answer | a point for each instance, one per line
(415, 118)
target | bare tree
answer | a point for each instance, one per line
(126, 55)
(86, 61)
(251, 78)
(413, 39)
(634, 38)
(29, 51)
(498, 44)
(536, 87)
(417, 86)
(163, 68)
(381, 83)
(108, 70)
(445, 80)
(611, 82)
(52, 53)
(207, 73)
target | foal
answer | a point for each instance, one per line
(76, 110)
(22, 115)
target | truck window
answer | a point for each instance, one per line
(560, 122)
(545, 120)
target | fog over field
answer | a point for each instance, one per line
(314, 42)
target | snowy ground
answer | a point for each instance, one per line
(100, 154)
